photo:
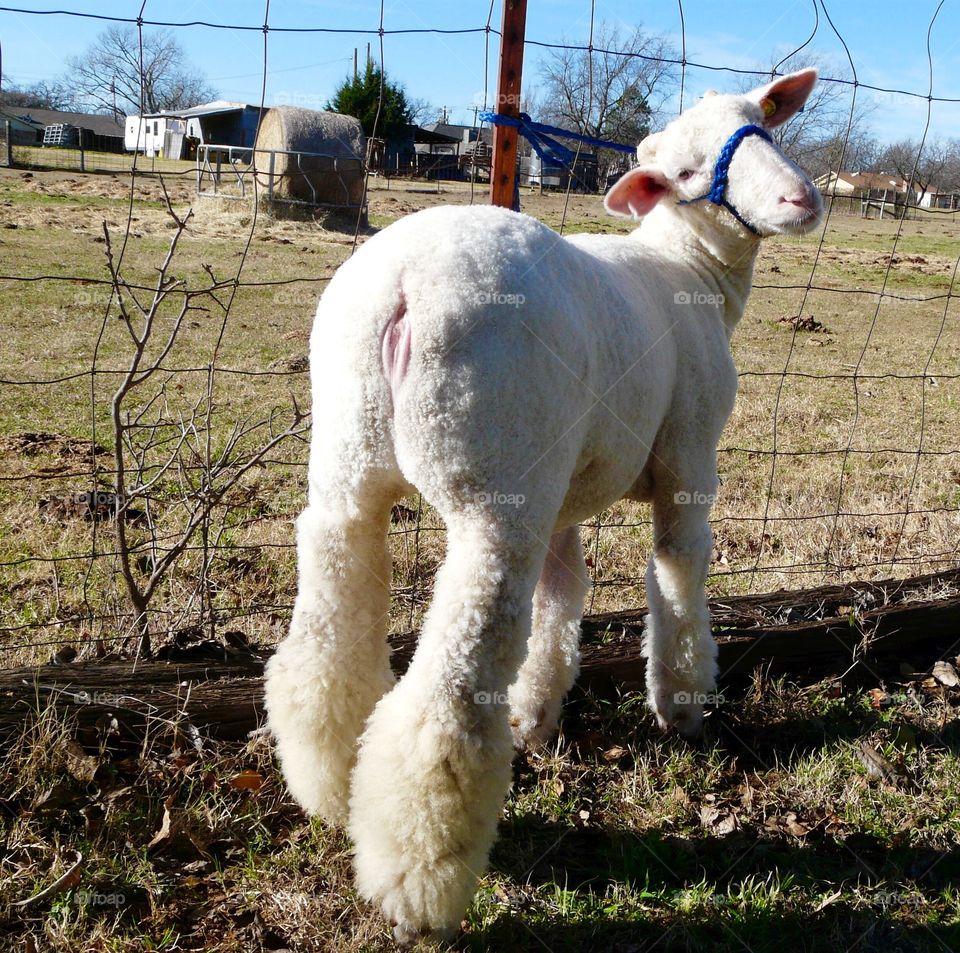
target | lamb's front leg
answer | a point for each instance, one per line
(434, 762)
(679, 647)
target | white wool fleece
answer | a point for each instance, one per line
(522, 382)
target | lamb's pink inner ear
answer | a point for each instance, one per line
(788, 95)
(636, 193)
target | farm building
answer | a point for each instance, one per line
(450, 151)
(863, 184)
(934, 197)
(581, 176)
(35, 127)
(172, 133)
(885, 188)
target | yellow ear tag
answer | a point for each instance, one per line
(768, 106)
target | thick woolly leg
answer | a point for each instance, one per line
(680, 650)
(434, 763)
(553, 651)
(333, 667)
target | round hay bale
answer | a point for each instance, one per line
(319, 156)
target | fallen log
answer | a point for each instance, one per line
(832, 626)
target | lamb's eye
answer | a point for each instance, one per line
(685, 174)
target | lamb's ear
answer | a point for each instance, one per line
(636, 192)
(782, 98)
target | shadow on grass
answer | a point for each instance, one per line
(701, 893)
(600, 887)
(837, 929)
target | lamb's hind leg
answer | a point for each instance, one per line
(553, 652)
(434, 763)
(332, 668)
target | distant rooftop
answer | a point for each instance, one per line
(205, 109)
(99, 125)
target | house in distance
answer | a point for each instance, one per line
(175, 134)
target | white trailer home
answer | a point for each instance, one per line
(147, 134)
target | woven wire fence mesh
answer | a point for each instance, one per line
(155, 372)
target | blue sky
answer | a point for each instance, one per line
(887, 41)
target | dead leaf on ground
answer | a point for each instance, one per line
(680, 796)
(787, 823)
(247, 781)
(56, 798)
(878, 767)
(946, 674)
(80, 764)
(166, 826)
(827, 900)
(66, 881)
(718, 820)
(614, 754)
(879, 698)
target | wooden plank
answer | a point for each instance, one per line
(901, 630)
(503, 175)
(223, 696)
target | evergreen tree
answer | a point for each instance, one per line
(359, 97)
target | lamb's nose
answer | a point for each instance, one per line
(802, 200)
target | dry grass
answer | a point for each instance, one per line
(769, 833)
(53, 326)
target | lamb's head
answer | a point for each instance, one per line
(717, 163)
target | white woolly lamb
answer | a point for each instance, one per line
(521, 382)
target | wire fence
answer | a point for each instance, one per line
(155, 371)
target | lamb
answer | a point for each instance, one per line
(521, 382)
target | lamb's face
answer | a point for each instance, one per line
(768, 191)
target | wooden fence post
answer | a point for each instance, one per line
(503, 175)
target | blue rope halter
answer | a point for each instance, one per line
(721, 171)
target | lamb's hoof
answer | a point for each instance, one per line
(684, 724)
(406, 936)
(529, 735)
(679, 715)
(533, 734)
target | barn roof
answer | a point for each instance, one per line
(454, 131)
(99, 125)
(423, 135)
(217, 107)
(868, 180)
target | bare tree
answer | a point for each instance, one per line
(935, 168)
(616, 91)
(856, 152)
(113, 77)
(831, 131)
(42, 95)
(421, 111)
(167, 457)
